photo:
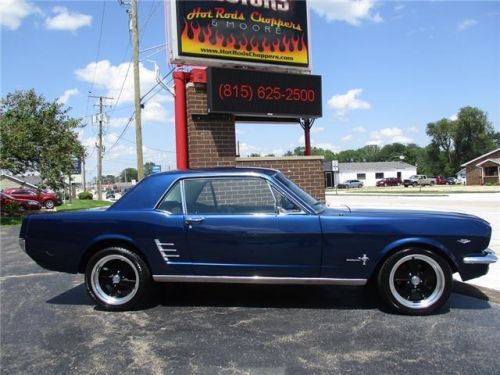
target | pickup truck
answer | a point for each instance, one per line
(419, 179)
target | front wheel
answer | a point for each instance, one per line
(117, 279)
(415, 281)
(49, 204)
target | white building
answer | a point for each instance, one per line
(368, 172)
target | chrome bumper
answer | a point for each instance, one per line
(487, 257)
(22, 244)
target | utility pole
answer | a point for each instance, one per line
(100, 151)
(137, 89)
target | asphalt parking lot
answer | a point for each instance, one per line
(49, 325)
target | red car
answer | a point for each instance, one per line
(440, 180)
(389, 181)
(48, 200)
(26, 204)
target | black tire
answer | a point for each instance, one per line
(418, 273)
(49, 204)
(129, 276)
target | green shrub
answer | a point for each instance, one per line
(11, 209)
(85, 195)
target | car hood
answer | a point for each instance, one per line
(395, 213)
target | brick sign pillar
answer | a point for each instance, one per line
(211, 138)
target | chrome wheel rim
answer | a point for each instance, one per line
(115, 279)
(49, 204)
(417, 281)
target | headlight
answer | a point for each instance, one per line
(33, 203)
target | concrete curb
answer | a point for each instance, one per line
(475, 291)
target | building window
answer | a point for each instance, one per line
(361, 176)
(490, 171)
(379, 175)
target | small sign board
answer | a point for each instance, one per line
(271, 34)
(264, 94)
(156, 168)
(76, 168)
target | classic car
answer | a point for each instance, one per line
(252, 225)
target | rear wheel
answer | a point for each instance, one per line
(117, 279)
(415, 281)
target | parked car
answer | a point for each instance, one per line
(252, 225)
(350, 184)
(24, 204)
(110, 194)
(451, 181)
(440, 180)
(46, 199)
(389, 181)
(419, 179)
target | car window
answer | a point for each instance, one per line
(228, 196)
(284, 204)
(172, 203)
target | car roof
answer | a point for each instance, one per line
(217, 171)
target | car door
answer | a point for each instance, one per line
(233, 229)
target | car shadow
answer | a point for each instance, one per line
(267, 296)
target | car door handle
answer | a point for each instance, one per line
(191, 220)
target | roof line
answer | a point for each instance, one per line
(19, 180)
(479, 157)
(487, 160)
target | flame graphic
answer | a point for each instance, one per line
(205, 40)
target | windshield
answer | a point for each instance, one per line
(299, 192)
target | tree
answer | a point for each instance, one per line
(128, 174)
(37, 135)
(456, 142)
(474, 135)
(148, 168)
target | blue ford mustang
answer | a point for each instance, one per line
(252, 225)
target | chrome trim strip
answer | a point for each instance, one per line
(489, 258)
(22, 244)
(257, 280)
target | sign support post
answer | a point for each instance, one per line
(180, 119)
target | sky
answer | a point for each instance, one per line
(388, 69)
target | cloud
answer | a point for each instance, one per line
(67, 20)
(111, 78)
(348, 102)
(317, 129)
(413, 129)
(12, 12)
(374, 142)
(453, 117)
(388, 135)
(64, 99)
(354, 12)
(247, 149)
(346, 138)
(359, 129)
(466, 24)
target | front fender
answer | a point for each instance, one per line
(424, 242)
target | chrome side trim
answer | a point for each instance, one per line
(489, 257)
(257, 280)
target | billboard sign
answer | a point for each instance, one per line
(76, 167)
(264, 94)
(156, 168)
(264, 33)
